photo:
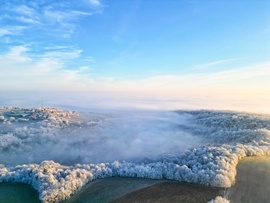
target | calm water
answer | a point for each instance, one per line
(18, 193)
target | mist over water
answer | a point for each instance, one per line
(111, 128)
(137, 135)
(100, 137)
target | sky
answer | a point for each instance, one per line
(193, 48)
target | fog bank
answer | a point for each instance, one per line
(104, 101)
(95, 137)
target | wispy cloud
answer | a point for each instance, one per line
(63, 55)
(27, 20)
(242, 73)
(89, 59)
(16, 53)
(25, 10)
(11, 30)
(49, 72)
(63, 17)
(4, 32)
(56, 47)
(95, 3)
(24, 14)
(63, 21)
(56, 17)
(19, 71)
(215, 63)
(251, 79)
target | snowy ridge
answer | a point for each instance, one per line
(231, 136)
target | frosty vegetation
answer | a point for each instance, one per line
(231, 136)
(23, 131)
(91, 137)
(219, 199)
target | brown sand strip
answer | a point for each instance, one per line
(252, 181)
(168, 191)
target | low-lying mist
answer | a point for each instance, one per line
(104, 101)
(98, 137)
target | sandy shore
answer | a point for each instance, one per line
(252, 181)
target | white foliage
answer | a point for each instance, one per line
(219, 199)
(232, 136)
(8, 141)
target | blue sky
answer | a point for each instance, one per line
(187, 47)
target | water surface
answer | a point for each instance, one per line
(18, 193)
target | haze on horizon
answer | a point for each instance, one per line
(205, 54)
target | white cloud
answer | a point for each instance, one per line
(57, 18)
(63, 55)
(25, 10)
(56, 47)
(11, 30)
(215, 63)
(27, 20)
(62, 22)
(48, 71)
(83, 68)
(19, 71)
(15, 54)
(89, 59)
(4, 32)
(25, 14)
(63, 17)
(95, 3)
(236, 79)
(80, 13)
(245, 75)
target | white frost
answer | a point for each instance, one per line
(219, 199)
(231, 137)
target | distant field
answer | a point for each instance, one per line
(119, 190)
(172, 192)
